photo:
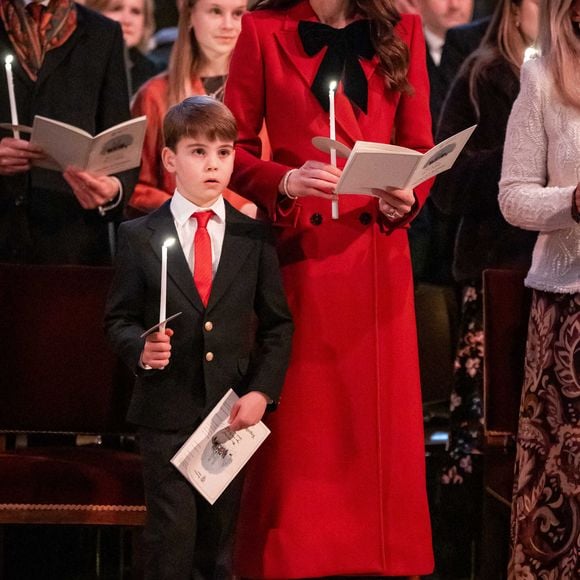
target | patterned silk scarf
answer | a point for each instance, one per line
(31, 41)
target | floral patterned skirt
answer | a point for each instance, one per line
(466, 422)
(546, 500)
(458, 507)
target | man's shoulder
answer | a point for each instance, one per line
(469, 35)
(96, 22)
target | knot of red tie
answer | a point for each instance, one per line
(202, 270)
(202, 217)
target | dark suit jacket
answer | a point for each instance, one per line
(460, 42)
(469, 190)
(431, 233)
(245, 355)
(140, 69)
(83, 82)
(439, 85)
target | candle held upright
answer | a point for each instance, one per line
(11, 95)
(163, 297)
(331, 91)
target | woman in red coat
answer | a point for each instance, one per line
(339, 487)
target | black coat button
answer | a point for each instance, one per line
(365, 218)
(315, 219)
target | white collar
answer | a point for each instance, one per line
(434, 44)
(182, 208)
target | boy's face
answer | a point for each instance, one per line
(202, 168)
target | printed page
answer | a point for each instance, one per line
(214, 454)
(118, 148)
(375, 166)
(441, 157)
(112, 151)
(63, 144)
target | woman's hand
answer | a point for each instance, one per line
(91, 190)
(313, 178)
(395, 203)
(16, 155)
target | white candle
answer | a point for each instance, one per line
(331, 90)
(11, 95)
(163, 298)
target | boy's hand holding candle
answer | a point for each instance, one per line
(157, 350)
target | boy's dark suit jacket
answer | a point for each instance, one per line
(83, 83)
(245, 354)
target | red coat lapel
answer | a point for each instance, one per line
(348, 127)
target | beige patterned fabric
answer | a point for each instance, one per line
(546, 500)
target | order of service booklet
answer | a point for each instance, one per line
(377, 165)
(214, 454)
(111, 151)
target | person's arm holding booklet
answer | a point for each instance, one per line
(388, 171)
(216, 451)
(372, 166)
(87, 163)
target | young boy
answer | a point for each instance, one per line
(215, 344)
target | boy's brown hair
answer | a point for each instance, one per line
(199, 116)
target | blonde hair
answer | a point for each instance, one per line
(185, 59)
(559, 43)
(148, 17)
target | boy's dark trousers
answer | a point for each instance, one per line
(185, 537)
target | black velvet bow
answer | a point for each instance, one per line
(341, 61)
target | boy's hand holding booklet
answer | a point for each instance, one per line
(214, 454)
(377, 165)
(114, 150)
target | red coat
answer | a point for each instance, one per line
(339, 486)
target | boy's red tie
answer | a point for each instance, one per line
(202, 274)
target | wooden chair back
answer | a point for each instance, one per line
(59, 376)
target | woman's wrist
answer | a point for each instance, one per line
(284, 186)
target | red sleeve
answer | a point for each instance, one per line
(149, 193)
(253, 178)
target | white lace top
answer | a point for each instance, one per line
(541, 168)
